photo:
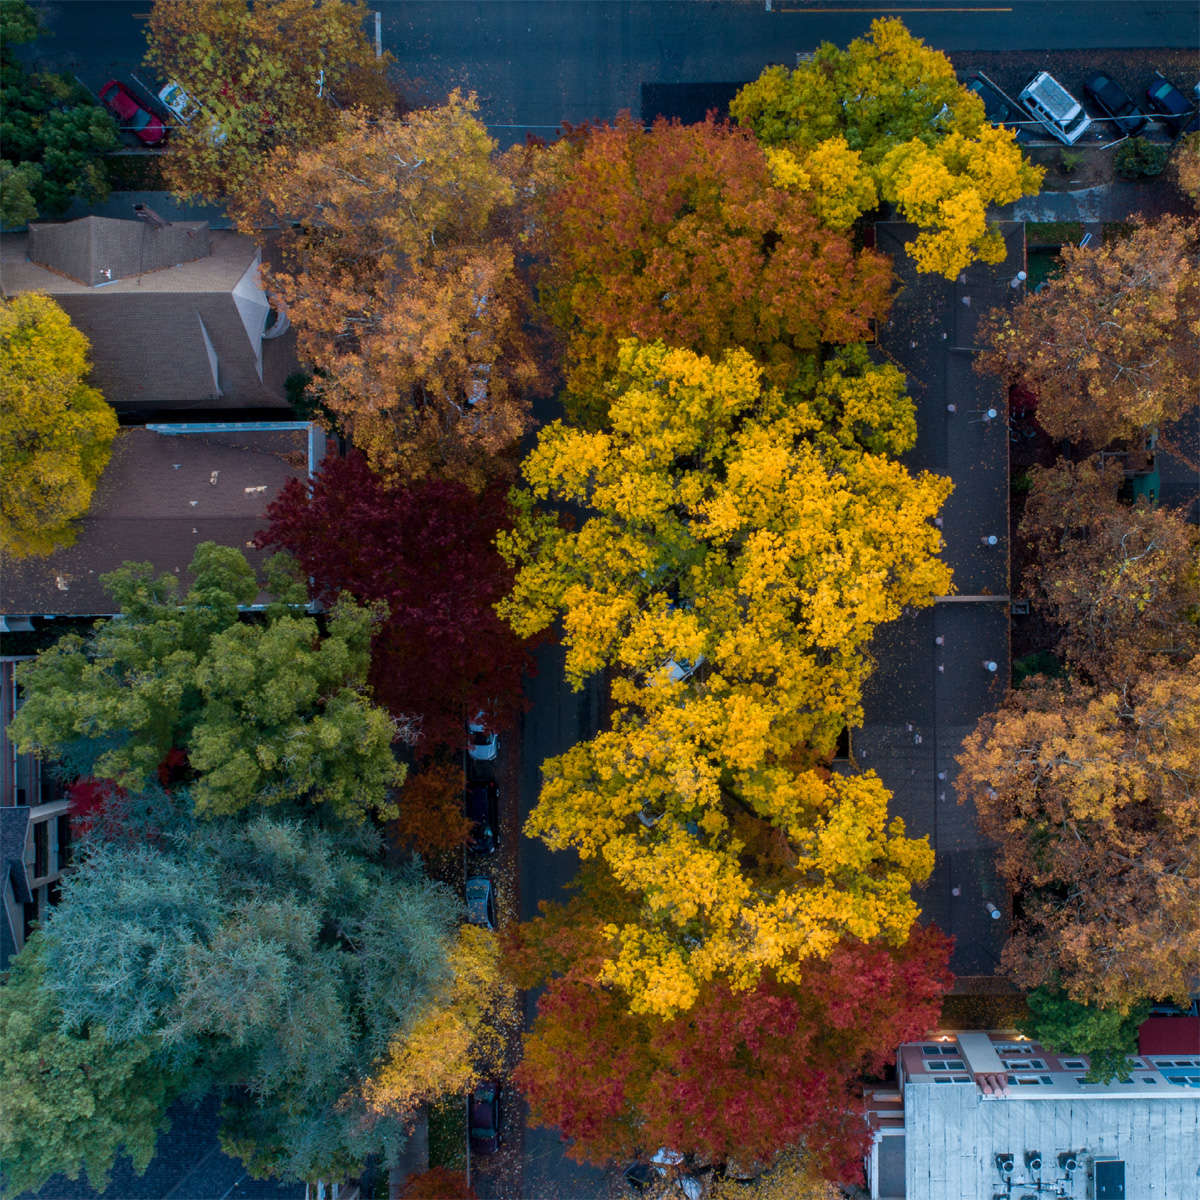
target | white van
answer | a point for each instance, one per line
(1055, 108)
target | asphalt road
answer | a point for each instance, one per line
(537, 63)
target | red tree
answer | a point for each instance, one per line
(427, 550)
(742, 1074)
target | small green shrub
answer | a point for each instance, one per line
(1140, 159)
(1021, 482)
(1040, 662)
(1070, 160)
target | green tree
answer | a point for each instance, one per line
(72, 1099)
(56, 432)
(52, 133)
(273, 961)
(267, 711)
(889, 111)
(1107, 1036)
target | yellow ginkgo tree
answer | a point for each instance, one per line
(886, 119)
(735, 550)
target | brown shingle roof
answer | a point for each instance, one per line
(95, 250)
(161, 496)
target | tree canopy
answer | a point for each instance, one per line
(425, 549)
(56, 431)
(1111, 344)
(400, 279)
(52, 133)
(743, 1074)
(265, 712)
(1090, 794)
(886, 118)
(680, 232)
(271, 73)
(291, 980)
(72, 1100)
(719, 526)
(1108, 1036)
(1120, 581)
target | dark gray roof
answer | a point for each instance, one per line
(926, 695)
(187, 336)
(96, 250)
(161, 496)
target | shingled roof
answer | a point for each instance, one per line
(166, 490)
(96, 250)
(189, 335)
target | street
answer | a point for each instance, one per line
(537, 63)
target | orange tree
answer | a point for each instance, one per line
(399, 276)
(1122, 582)
(680, 233)
(1091, 796)
(1111, 345)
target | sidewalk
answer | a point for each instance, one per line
(1116, 201)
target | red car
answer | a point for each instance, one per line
(120, 101)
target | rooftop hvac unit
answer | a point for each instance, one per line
(1068, 1162)
(1108, 1179)
(1005, 1163)
(1033, 1160)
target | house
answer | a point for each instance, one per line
(984, 1116)
(35, 835)
(167, 488)
(175, 312)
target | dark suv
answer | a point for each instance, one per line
(481, 801)
(1109, 98)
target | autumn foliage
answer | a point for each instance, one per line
(1111, 345)
(431, 816)
(426, 551)
(264, 74)
(743, 1074)
(680, 233)
(1090, 794)
(399, 276)
(1121, 581)
(886, 119)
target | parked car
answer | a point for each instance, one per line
(1112, 101)
(179, 102)
(995, 103)
(484, 1114)
(131, 114)
(1055, 108)
(1171, 105)
(482, 808)
(481, 902)
(187, 110)
(482, 744)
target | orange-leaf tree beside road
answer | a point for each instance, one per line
(399, 276)
(681, 233)
(1092, 795)
(1111, 345)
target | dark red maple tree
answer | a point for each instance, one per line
(742, 1074)
(427, 550)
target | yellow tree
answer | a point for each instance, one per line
(458, 1035)
(1092, 796)
(56, 432)
(269, 74)
(724, 526)
(1111, 345)
(399, 276)
(887, 119)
